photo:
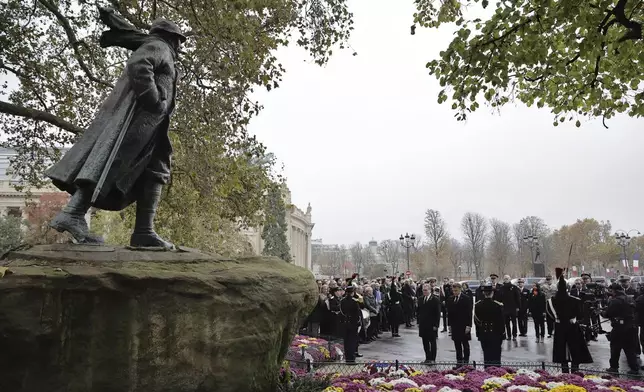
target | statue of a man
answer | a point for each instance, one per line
(124, 155)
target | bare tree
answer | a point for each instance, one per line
(436, 231)
(474, 229)
(500, 246)
(455, 255)
(390, 252)
(358, 256)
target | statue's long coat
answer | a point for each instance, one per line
(145, 150)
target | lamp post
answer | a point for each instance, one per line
(532, 241)
(407, 242)
(624, 239)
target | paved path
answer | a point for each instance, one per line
(409, 347)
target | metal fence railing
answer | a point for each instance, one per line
(345, 369)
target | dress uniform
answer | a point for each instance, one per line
(490, 326)
(351, 322)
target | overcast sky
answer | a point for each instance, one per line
(364, 141)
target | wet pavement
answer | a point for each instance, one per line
(409, 348)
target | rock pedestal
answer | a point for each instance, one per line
(77, 318)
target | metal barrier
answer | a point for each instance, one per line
(345, 369)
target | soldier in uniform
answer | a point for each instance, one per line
(524, 294)
(490, 326)
(498, 294)
(629, 290)
(623, 336)
(548, 288)
(569, 344)
(351, 322)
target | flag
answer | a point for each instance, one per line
(636, 262)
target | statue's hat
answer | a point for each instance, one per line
(168, 27)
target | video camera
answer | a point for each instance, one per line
(593, 296)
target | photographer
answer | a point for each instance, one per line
(623, 336)
(592, 296)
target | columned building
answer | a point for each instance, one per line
(298, 233)
(12, 202)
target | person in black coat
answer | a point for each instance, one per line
(446, 295)
(488, 317)
(395, 309)
(498, 293)
(459, 309)
(522, 318)
(537, 307)
(569, 344)
(511, 299)
(333, 304)
(351, 322)
(429, 318)
(623, 336)
(478, 293)
(639, 312)
(467, 291)
(408, 295)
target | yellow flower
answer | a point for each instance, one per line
(490, 386)
(462, 374)
(508, 376)
(358, 381)
(385, 387)
(616, 389)
(568, 388)
(416, 373)
(302, 345)
(590, 376)
(333, 389)
(413, 390)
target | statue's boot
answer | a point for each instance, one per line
(71, 218)
(146, 209)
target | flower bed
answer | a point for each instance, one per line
(382, 377)
(313, 349)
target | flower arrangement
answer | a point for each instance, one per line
(314, 349)
(381, 377)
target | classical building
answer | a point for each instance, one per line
(12, 202)
(298, 234)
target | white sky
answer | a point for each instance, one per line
(364, 141)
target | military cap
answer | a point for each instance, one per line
(494, 276)
(350, 288)
(623, 278)
(585, 274)
(487, 288)
(616, 287)
(168, 27)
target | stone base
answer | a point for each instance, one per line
(77, 318)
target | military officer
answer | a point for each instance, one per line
(351, 322)
(490, 326)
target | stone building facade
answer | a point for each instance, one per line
(12, 202)
(298, 234)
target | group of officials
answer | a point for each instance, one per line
(497, 311)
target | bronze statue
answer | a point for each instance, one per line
(124, 155)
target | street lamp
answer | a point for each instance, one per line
(407, 242)
(624, 239)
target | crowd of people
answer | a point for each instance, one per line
(359, 311)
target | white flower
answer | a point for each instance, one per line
(554, 384)
(524, 388)
(597, 380)
(377, 381)
(637, 388)
(496, 380)
(403, 380)
(308, 356)
(427, 387)
(448, 389)
(339, 352)
(454, 377)
(603, 387)
(397, 373)
(528, 373)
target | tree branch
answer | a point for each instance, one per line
(73, 41)
(634, 28)
(39, 115)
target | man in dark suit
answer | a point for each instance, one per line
(446, 296)
(460, 324)
(429, 318)
(494, 281)
(523, 308)
(511, 299)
